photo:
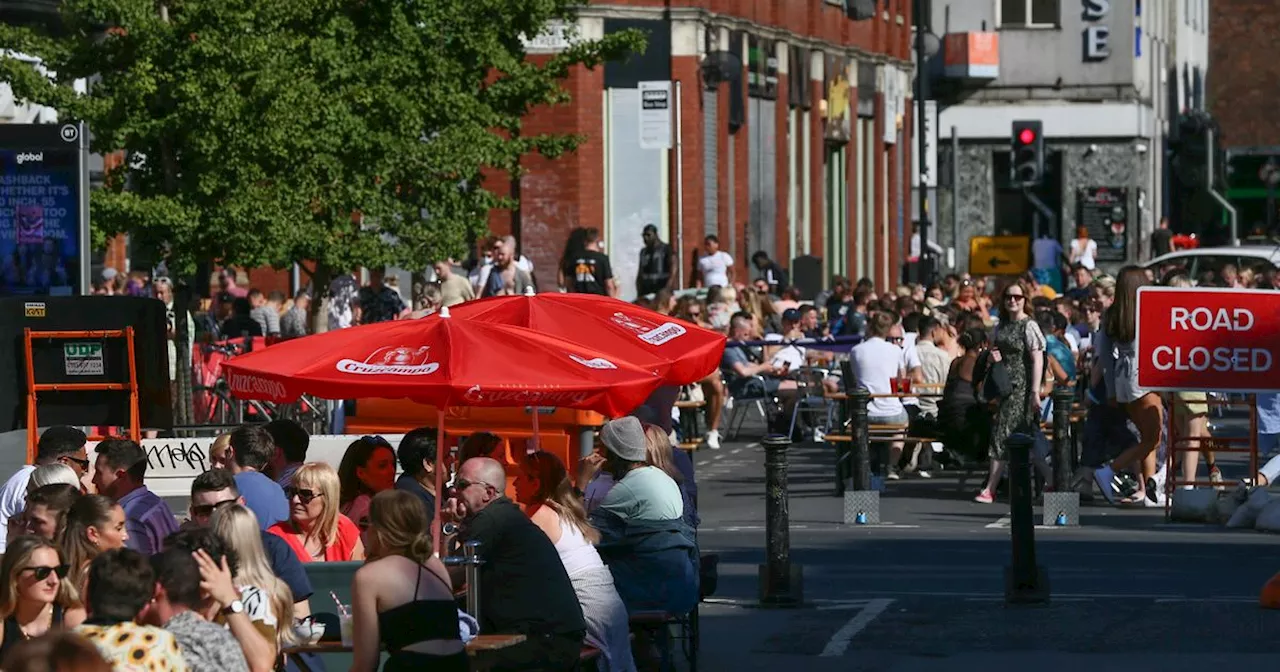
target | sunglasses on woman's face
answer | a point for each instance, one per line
(1014, 297)
(304, 496)
(42, 573)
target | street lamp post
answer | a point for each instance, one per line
(925, 263)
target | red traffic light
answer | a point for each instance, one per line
(1026, 136)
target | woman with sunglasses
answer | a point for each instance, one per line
(368, 467)
(35, 597)
(95, 524)
(316, 530)
(1020, 344)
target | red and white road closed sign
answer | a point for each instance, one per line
(1208, 339)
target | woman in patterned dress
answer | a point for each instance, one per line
(1020, 344)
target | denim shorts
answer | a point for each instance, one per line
(896, 419)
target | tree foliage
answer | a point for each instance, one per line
(349, 132)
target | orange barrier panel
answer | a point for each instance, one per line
(1270, 596)
(1178, 444)
(34, 388)
(564, 432)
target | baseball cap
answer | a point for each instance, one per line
(791, 315)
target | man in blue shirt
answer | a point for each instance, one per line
(251, 450)
(118, 473)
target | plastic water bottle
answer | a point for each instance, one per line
(861, 518)
(1062, 519)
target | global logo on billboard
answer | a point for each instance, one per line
(649, 332)
(392, 361)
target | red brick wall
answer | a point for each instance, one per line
(687, 71)
(1240, 91)
(880, 227)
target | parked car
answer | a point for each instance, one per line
(1201, 261)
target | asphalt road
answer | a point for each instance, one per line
(925, 590)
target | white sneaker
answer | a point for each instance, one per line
(1103, 476)
(712, 439)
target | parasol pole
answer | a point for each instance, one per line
(437, 539)
(537, 441)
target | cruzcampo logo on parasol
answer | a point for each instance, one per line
(597, 363)
(392, 361)
(649, 332)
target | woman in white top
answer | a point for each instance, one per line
(1117, 354)
(550, 502)
(1084, 250)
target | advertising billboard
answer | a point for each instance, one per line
(44, 209)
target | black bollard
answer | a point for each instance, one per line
(861, 458)
(1025, 581)
(780, 581)
(1062, 458)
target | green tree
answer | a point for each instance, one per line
(347, 132)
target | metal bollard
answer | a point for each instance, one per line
(1025, 581)
(1062, 506)
(781, 583)
(862, 501)
(1062, 400)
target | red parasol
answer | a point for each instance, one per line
(444, 362)
(681, 352)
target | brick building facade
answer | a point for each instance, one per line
(816, 166)
(1240, 93)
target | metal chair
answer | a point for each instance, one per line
(737, 408)
(812, 398)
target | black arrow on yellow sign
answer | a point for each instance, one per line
(997, 262)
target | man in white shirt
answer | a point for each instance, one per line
(57, 444)
(875, 362)
(935, 364)
(715, 268)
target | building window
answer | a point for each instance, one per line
(1028, 13)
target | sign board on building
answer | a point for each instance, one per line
(44, 209)
(971, 55)
(928, 170)
(555, 37)
(1104, 212)
(1097, 35)
(999, 255)
(762, 67)
(1209, 339)
(655, 115)
(837, 117)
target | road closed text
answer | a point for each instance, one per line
(1211, 358)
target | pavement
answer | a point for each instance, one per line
(925, 590)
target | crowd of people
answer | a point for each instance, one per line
(92, 555)
(984, 356)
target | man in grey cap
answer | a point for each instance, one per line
(640, 491)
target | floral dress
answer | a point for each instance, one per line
(1016, 341)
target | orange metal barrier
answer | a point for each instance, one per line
(564, 432)
(1177, 444)
(34, 388)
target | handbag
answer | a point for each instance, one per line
(996, 384)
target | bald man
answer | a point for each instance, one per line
(523, 584)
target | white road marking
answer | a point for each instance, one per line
(1000, 523)
(840, 641)
(735, 451)
(1003, 524)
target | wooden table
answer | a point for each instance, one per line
(477, 646)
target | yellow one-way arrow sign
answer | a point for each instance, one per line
(999, 255)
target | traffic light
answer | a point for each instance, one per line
(1028, 154)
